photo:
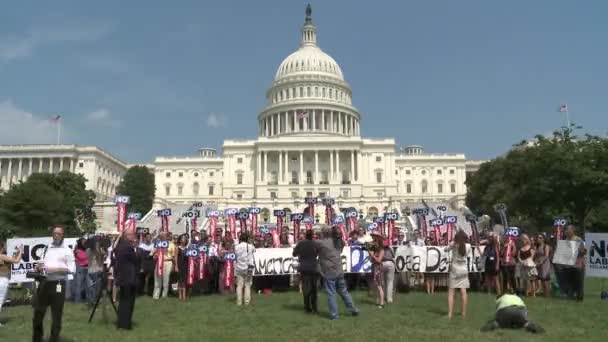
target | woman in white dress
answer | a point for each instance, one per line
(459, 272)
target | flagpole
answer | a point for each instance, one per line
(567, 118)
(58, 132)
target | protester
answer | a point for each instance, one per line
(244, 268)
(492, 263)
(144, 251)
(57, 263)
(181, 266)
(96, 256)
(5, 260)
(82, 267)
(330, 250)
(543, 264)
(507, 266)
(161, 281)
(528, 274)
(430, 279)
(575, 275)
(127, 266)
(307, 252)
(225, 286)
(376, 253)
(388, 266)
(511, 313)
(459, 273)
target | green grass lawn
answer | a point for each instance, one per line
(280, 317)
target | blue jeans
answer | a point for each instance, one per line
(94, 284)
(80, 283)
(338, 285)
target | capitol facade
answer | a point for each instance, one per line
(309, 145)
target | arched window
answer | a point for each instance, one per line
(424, 185)
(180, 189)
(167, 189)
(372, 211)
(439, 187)
(195, 189)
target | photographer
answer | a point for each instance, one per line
(125, 274)
(57, 262)
(5, 260)
(306, 251)
(244, 269)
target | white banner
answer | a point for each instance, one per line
(430, 259)
(597, 255)
(566, 252)
(32, 251)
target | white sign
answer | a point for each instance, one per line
(434, 259)
(597, 254)
(566, 252)
(33, 249)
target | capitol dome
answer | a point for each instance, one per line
(309, 59)
(309, 93)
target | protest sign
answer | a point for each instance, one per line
(433, 259)
(33, 248)
(597, 257)
(566, 252)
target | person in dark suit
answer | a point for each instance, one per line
(307, 252)
(125, 276)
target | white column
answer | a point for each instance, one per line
(286, 175)
(316, 179)
(332, 127)
(279, 125)
(259, 166)
(295, 121)
(267, 123)
(314, 119)
(9, 174)
(359, 164)
(265, 171)
(29, 170)
(301, 167)
(0, 172)
(60, 164)
(323, 119)
(352, 166)
(280, 176)
(51, 165)
(331, 166)
(19, 169)
(40, 162)
(72, 165)
(338, 167)
(340, 122)
(305, 123)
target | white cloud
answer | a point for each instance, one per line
(215, 120)
(18, 126)
(103, 117)
(19, 46)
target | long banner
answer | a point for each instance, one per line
(33, 248)
(430, 259)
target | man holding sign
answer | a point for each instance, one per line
(575, 274)
(164, 253)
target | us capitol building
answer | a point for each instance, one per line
(308, 145)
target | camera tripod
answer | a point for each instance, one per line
(102, 289)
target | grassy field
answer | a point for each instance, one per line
(279, 317)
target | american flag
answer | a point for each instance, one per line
(302, 114)
(55, 118)
(563, 108)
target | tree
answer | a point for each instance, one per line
(138, 183)
(558, 176)
(30, 207)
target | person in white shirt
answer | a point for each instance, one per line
(244, 267)
(57, 263)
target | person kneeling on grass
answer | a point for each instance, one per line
(511, 313)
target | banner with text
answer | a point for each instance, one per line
(429, 259)
(33, 248)
(597, 257)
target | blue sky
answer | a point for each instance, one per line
(150, 78)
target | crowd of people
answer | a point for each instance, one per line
(159, 265)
